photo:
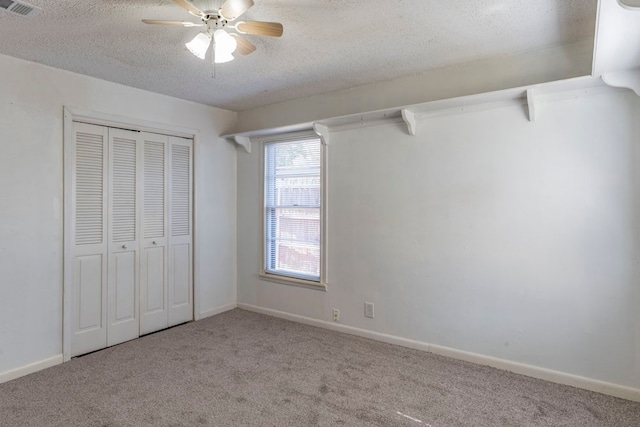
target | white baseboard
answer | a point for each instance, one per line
(558, 377)
(58, 359)
(216, 310)
(390, 339)
(30, 368)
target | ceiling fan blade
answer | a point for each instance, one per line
(260, 28)
(231, 9)
(188, 6)
(181, 23)
(245, 47)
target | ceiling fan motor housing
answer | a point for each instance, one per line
(214, 21)
(215, 16)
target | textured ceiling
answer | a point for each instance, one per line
(327, 45)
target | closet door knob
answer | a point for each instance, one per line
(124, 246)
(154, 242)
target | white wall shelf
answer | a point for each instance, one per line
(531, 98)
(624, 79)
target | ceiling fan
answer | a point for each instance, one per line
(217, 17)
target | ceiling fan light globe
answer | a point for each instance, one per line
(199, 45)
(221, 58)
(225, 44)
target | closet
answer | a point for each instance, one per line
(132, 235)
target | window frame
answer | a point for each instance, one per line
(295, 280)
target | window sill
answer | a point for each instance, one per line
(318, 286)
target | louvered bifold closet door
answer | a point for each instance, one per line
(180, 231)
(153, 266)
(89, 219)
(124, 202)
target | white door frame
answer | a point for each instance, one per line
(85, 116)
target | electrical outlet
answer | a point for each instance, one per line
(336, 315)
(368, 309)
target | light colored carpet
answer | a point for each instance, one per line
(241, 368)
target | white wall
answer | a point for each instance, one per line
(485, 233)
(31, 194)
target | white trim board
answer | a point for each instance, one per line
(558, 377)
(30, 368)
(111, 120)
(216, 310)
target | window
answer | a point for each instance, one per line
(293, 199)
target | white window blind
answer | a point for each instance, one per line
(293, 197)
